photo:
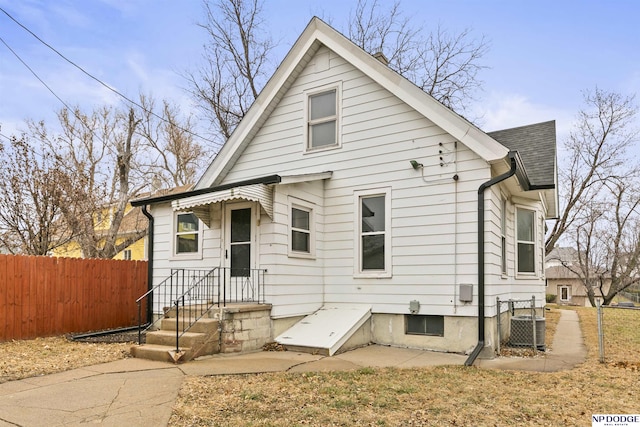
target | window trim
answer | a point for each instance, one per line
(126, 254)
(307, 207)
(357, 268)
(307, 121)
(504, 269)
(533, 242)
(560, 288)
(174, 240)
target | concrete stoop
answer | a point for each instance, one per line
(232, 329)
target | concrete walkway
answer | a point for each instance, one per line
(137, 392)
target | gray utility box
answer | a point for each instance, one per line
(522, 331)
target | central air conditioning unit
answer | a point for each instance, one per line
(522, 331)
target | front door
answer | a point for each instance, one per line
(239, 239)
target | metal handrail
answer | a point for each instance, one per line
(200, 290)
(149, 296)
(218, 286)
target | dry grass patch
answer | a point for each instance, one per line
(446, 395)
(30, 358)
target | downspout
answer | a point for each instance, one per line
(149, 262)
(476, 351)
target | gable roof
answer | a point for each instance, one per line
(536, 145)
(316, 34)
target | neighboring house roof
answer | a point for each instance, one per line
(318, 33)
(560, 272)
(560, 255)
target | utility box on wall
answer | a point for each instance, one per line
(466, 292)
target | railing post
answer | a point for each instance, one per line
(499, 325)
(177, 324)
(139, 322)
(534, 321)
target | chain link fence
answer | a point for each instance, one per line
(520, 325)
(619, 334)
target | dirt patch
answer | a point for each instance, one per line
(41, 356)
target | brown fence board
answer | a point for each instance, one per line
(44, 296)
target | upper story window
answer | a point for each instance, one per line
(187, 234)
(322, 119)
(374, 233)
(526, 240)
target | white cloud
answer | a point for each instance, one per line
(507, 110)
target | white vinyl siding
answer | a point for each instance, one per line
(432, 220)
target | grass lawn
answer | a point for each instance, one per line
(445, 395)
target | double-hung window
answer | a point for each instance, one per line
(526, 220)
(374, 233)
(322, 119)
(301, 229)
(187, 234)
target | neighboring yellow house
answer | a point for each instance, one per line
(133, 222)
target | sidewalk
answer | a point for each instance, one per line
(139, 392)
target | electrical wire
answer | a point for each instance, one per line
(35, 74)
(94, 78)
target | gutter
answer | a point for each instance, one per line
(149, 261)
(513, 158)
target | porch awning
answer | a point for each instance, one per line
(199, 204)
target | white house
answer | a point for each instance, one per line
(351, 188)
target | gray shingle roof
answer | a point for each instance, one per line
(536, 145)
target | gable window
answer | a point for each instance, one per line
(526, 240)
(374, 233)
(301, 229)
(322, 119)
(187, 234)
(126, 254)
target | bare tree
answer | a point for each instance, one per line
(236, 57)
(30, 216)
(443, 64)
(95, 159)
(595, 153)
(608, 240)
(235, 62)
(174, 157)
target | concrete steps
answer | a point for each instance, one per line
(236, 328)
(203, 338)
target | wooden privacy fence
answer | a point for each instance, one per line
(45, 296)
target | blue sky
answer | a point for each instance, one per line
(543, 54)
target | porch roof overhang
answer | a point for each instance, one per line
(200, 204)
(255, 189)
